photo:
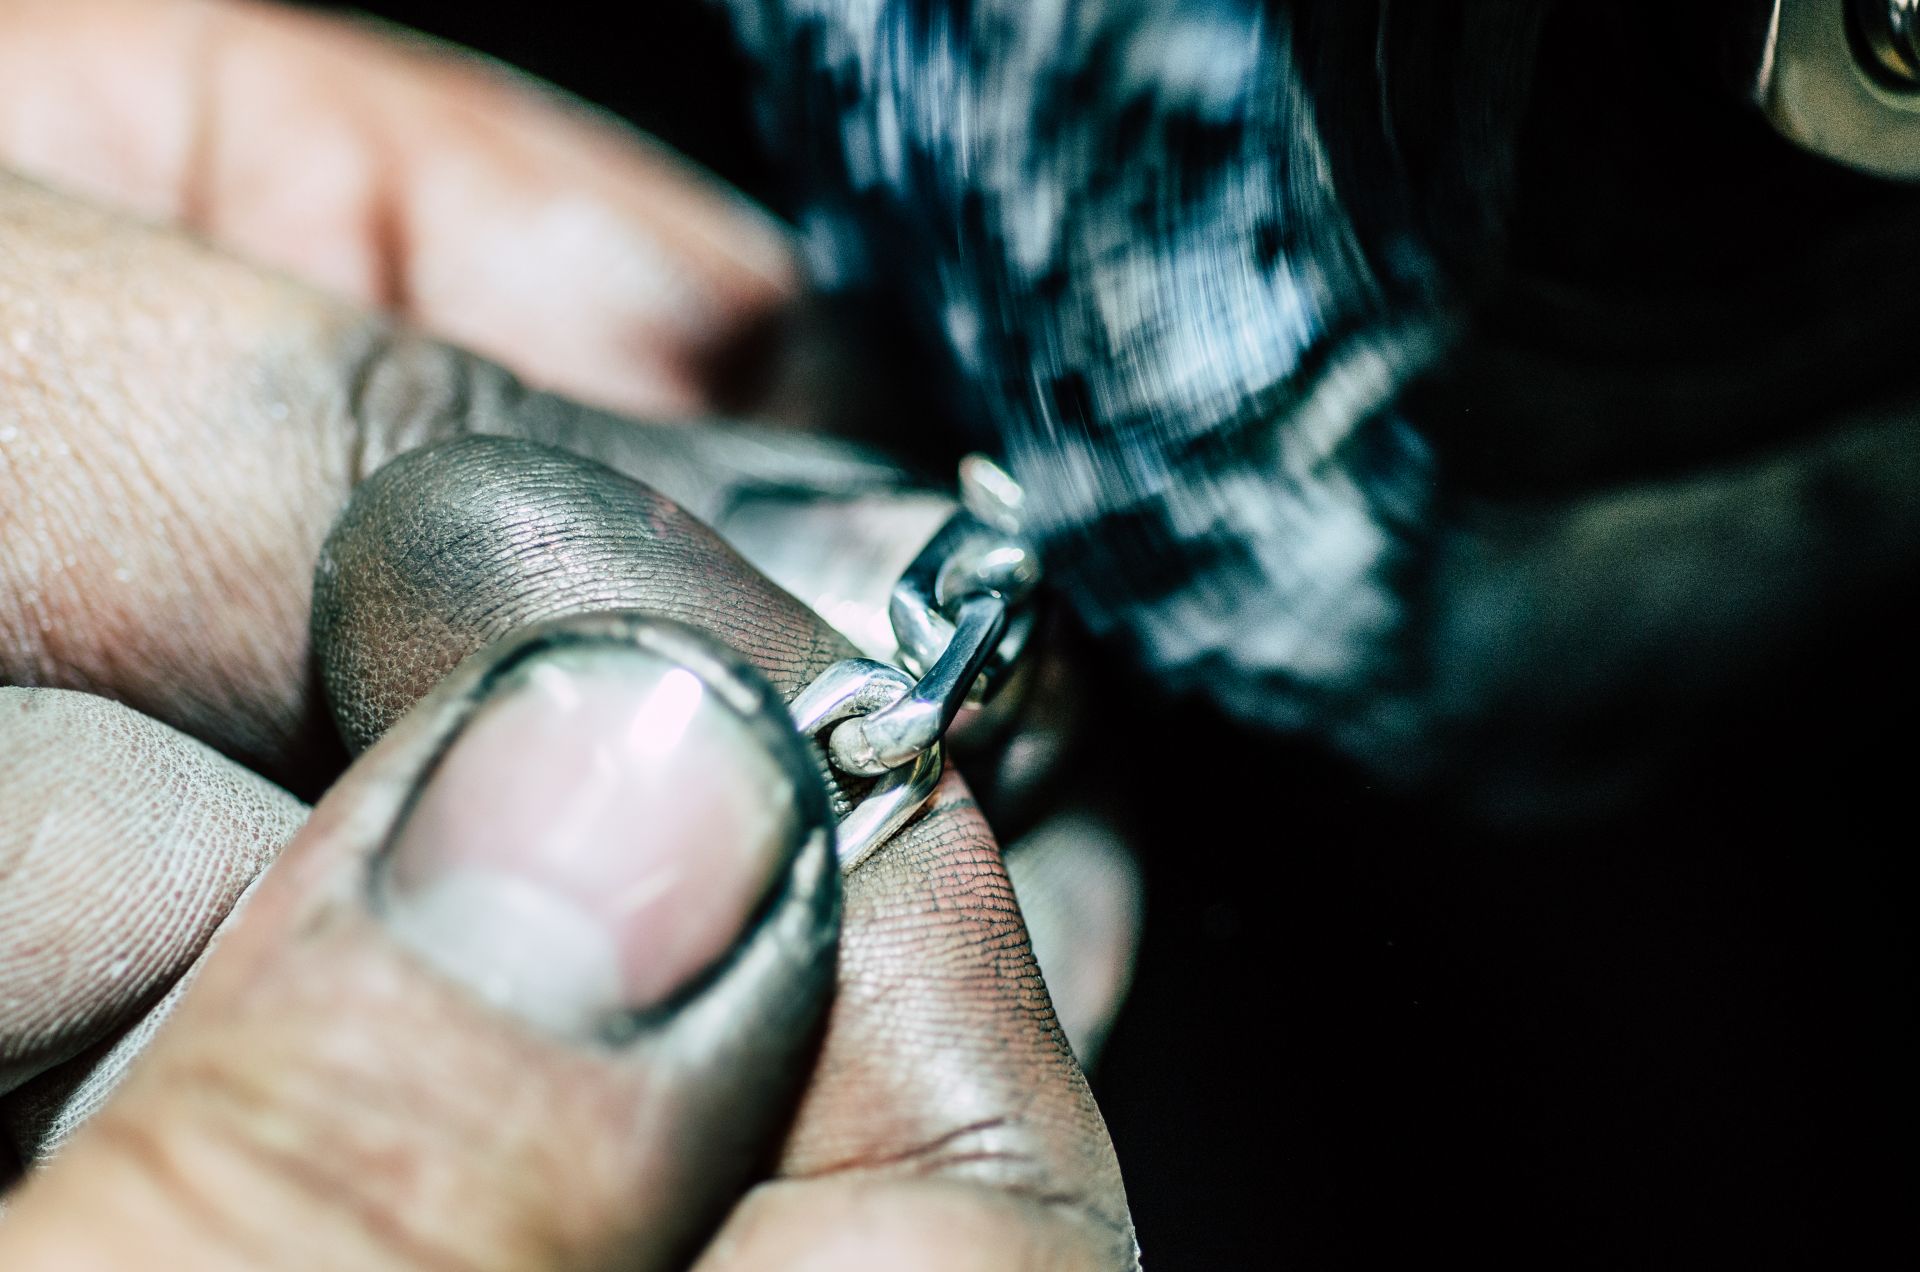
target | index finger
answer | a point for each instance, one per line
(945, 1088)
(409, 176)
(177, 431)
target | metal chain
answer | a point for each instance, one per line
(962, 614)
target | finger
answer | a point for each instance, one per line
(532, 990)
(180, 432)
(122, 847)
(1081, 893)
(393, 617)
(452, 547)
(409, 176)
(943, 1062)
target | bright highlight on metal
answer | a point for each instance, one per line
(1841, 78)
(962, 618)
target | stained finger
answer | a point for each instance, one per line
(180, 431)
(943, 1058)
(531, 990)
(412, 177)
(123, 846)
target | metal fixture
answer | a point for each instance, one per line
(1840, 78)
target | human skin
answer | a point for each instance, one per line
(183, 429)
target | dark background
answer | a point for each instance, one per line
(1369, 1030)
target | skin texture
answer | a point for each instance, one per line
(181, 430)
(325, 1100)
(272, 403)
(405, 176)
(944, 1095)
(940, 1005)
(160, 816)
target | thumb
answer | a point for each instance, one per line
(534, 989)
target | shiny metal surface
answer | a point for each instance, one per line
(1889, 31)
(890, 570)
(893, 802)
(872, 744)
(1838, 77)
(967, 558)
(961, 605)
(990, 493)
(852, 688)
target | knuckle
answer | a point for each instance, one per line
(449, 548)
(404, 391)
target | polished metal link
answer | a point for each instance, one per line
(870, 745)
(961, 613)
(852, 688)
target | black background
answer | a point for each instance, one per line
(1369, 1031)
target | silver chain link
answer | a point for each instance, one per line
(962, 614)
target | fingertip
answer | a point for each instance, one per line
(377, 1070)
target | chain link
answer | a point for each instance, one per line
(962, 615)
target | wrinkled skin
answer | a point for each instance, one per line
(182, 431)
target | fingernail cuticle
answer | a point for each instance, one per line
(600, 833)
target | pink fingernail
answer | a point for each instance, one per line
(601, 832)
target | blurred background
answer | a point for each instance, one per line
(1373, 1027)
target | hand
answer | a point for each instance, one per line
(182, 430)
(334, 1091)
(448, 195)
